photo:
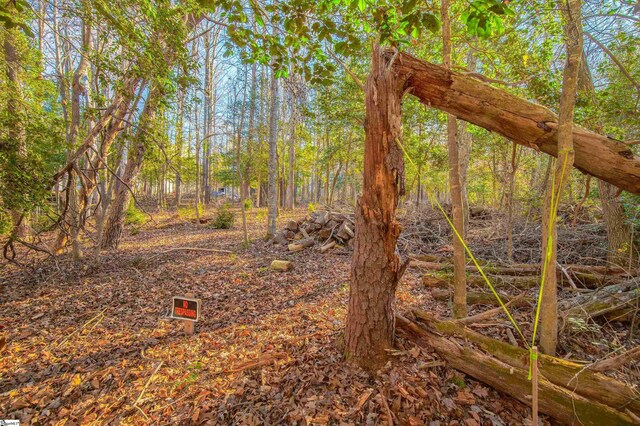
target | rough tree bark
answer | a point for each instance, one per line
(517, 119)
(459, 277)
(375, 267)
(619, 235)
(573, 40)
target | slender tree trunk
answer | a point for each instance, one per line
(239, 162)
(289, 200)
(464, 147)
(73, 221)
(375, 266)
(573, 40)
(459, 275)
(179, 148)
(15, 149)
(251, 141)
(510, 199)
(272, 197)
(198, 149)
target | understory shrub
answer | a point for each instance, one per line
(223, 218)
(133, 216)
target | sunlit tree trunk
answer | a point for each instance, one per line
(622, 250)
(251, 139)
(573, 40)
(239, 161)
(375, 266)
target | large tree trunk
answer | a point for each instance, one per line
(564, 163)
(375, 267)
(519, 120)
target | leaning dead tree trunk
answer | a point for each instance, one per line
(521, 121)
(375, 268)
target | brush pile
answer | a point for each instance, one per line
(326, 228)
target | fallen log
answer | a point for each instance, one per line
(615, 302)
(437, 263)
(589, 276)
(517, 119)
(301, 244)
(556, 401)
(617, 361)
(482, 298)
(515, 301)
(574, 377)
(442, 279)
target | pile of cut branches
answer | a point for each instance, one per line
(327, 228)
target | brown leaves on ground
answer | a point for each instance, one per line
(92, 344)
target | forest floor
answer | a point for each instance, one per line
(90, 342)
